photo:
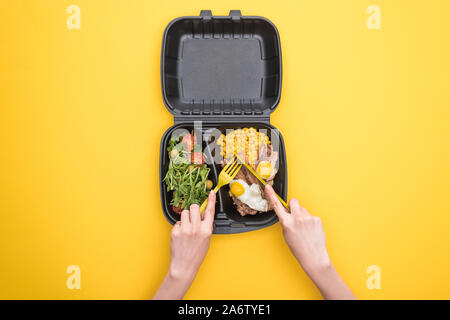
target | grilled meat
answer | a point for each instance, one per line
(266, 154)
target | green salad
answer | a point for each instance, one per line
(187, 175)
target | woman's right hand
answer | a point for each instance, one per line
(305, 237)
(303, 233)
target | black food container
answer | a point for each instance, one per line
(222, 72)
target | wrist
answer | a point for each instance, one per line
(328, 281)
(319, 267)
(175, 284)
(180, 274)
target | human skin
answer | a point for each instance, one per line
(305, 237)
(189, 245)
(302, 231)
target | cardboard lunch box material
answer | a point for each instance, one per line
(225, 73)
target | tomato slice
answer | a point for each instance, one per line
(197, 158)
(190, 140)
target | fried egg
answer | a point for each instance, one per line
(250, 195)
(265, 170)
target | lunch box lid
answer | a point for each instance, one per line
(219, 68)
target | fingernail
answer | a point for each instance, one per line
(211, 192)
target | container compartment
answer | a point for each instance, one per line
(227, 219)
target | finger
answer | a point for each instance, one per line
(194, 215)
(304, 212)
(277, 206)
(294, 206)
(176, 227)
(208, 214)
(185, 221)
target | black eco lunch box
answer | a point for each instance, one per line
(225, 72)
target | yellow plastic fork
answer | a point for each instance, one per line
(226, 175)
(262, 181)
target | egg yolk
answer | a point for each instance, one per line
(264, 169)
(237, 189)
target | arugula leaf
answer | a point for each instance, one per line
(186, 180)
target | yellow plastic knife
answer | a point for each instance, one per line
(260, 179)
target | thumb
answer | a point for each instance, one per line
(208, 214)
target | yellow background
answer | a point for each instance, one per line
(364, 114)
